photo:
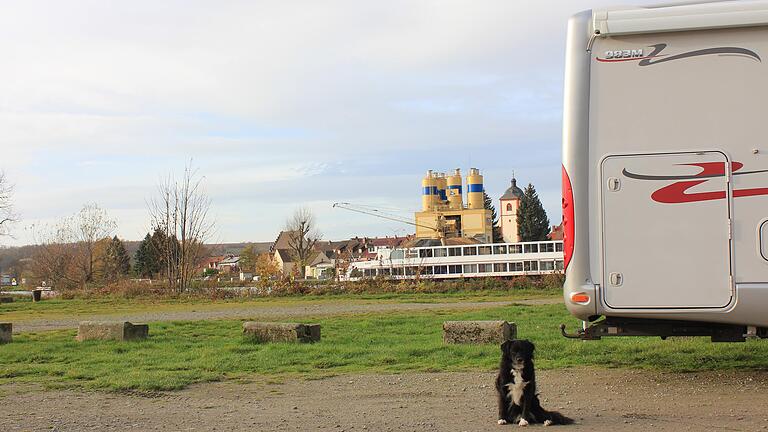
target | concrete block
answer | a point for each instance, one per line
(6, 333)
(111, 330)
(49, 294)
(281, 332)
(8, 299)
(313, 330)
(478, 332)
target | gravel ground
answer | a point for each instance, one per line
(610, 399)
(266, 312)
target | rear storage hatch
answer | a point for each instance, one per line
(666, 230)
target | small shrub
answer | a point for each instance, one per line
(553, 280)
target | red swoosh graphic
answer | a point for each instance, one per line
(676, 192)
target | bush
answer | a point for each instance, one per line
(211, 289)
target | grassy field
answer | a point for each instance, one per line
(181, 353)
(25, 310)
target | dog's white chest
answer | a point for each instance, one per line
(516, 388)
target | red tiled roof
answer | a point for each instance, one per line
(556, 233)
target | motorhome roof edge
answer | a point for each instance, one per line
(687, 17)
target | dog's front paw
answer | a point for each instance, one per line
(523, 422)
(547, 422)
(502, 422)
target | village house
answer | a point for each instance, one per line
(229, 264)
(212, 262)
(330, 253)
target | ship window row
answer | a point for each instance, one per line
(457, 269)
(439, 252)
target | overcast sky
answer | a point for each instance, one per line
(279, 104)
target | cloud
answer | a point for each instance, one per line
(279, 104)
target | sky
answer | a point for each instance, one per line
(278, 105)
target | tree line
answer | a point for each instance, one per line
(81, 251)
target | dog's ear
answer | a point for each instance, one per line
(530, 347)
(505, 347)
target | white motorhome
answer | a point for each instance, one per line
(665, 170)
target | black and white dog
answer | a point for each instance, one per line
(516, 385)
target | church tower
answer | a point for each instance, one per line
(510, 202)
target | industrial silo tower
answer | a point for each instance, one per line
(443, 212)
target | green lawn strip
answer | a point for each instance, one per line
(25, 310)
(181, 353)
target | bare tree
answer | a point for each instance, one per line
(302, 237)
(89, 226)
(7, 214)
(54, 258)
(164, 219)
(67, 253)
(180, 212)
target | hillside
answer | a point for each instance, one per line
(11, 256)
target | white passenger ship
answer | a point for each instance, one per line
(465, 261)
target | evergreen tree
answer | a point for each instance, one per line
(116, 263)
(532, 221)
(496, 229)
(167, 252)
(147, 260)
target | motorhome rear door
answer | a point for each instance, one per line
(666, 230)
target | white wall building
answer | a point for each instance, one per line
(510, 202)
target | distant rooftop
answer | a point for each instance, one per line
(513, 191)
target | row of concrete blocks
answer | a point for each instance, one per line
(126, 331)
(454, 332)
(96, 330)
(257, 331)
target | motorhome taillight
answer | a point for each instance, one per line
(580, 298)
(568, 227)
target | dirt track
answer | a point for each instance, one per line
(267, 312)
(615, 400)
